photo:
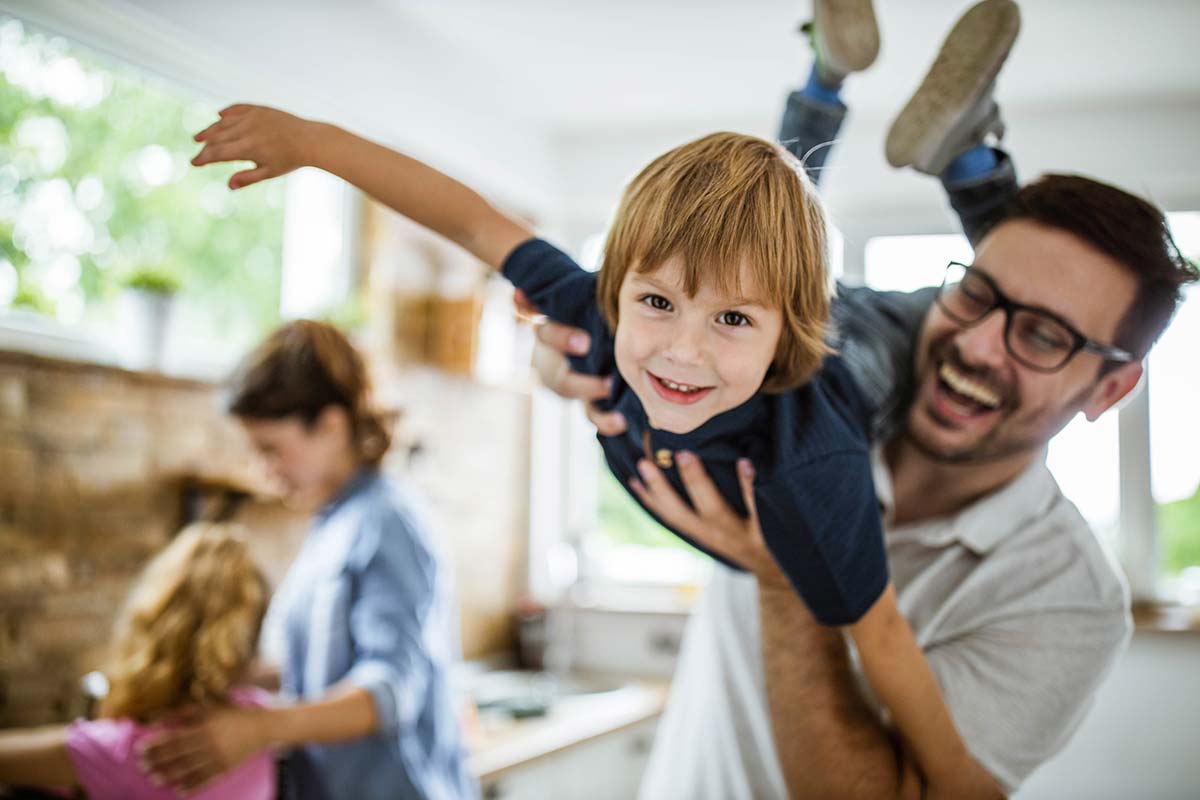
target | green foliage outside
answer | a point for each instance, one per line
(1179, 534)
(622, 520)
(149, 279)
(95, 183)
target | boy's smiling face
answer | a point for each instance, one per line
(689, 359)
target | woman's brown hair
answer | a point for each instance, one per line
(300, 370)
(189, 629)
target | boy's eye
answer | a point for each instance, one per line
(657, 302)
(735, 318)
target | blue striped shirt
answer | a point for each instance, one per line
(366, 603)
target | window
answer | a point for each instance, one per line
(95, 184)
(1173, 385)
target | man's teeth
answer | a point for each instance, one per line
(968, 388)
(679, 387)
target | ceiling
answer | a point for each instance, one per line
(582, 63)
(577, 64)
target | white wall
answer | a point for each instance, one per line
(1141, 741)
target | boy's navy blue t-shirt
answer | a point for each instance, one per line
(810, 447)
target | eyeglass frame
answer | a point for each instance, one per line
(1009, 306)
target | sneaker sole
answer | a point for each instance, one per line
(849, 33)
(961, 75)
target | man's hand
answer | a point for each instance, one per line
(201, 748)
(277, 142)
(712, 522)
(555, 342)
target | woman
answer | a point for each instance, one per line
(185, 639)
(367, 616)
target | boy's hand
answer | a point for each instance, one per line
(555, 342)
(712, 522)
(277, 142)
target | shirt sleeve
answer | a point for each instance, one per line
(874, 333)
(1019, 687)
(395, 580)
(566, 293)
(102, 753)
(821, 523)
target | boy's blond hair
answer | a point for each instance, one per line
(718, 201)
(190, 626)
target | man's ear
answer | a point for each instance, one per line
(1111, 389)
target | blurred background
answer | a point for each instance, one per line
(131, 282)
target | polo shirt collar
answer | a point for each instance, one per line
(982, 525)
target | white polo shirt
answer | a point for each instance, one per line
(1017, 607)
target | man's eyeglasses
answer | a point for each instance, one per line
(1035, 337)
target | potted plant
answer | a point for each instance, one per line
(147, 296)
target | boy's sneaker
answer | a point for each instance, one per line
(953, 109)
(844, 37)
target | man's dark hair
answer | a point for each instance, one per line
(1125, 227)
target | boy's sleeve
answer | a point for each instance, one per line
(566, 293)
(821, 522)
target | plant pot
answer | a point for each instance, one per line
(145, 321)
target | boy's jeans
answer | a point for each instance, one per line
(809, 127)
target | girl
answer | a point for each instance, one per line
(185, 638)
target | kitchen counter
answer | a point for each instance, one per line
(501, 746)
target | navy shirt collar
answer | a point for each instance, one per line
(729, 423)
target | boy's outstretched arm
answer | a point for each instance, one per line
(278, 142)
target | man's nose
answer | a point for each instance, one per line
(982, 344)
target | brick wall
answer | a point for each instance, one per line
(91, 464)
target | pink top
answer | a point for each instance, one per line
(106, 762)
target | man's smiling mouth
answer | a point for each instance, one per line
(963, 396)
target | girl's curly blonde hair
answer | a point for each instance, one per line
(189, 629)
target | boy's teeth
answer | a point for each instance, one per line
(678, 387)
(968, 388)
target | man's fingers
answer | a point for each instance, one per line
(667, 502)
(709, 503)
(746, 473)
(580, 386)
(521, 301)
(564, 339)
(608, 423)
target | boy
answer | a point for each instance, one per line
(712, 306)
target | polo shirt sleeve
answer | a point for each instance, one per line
(566, 293)
(1020, 686)
(821, 522)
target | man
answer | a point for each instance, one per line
(1016, 608)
